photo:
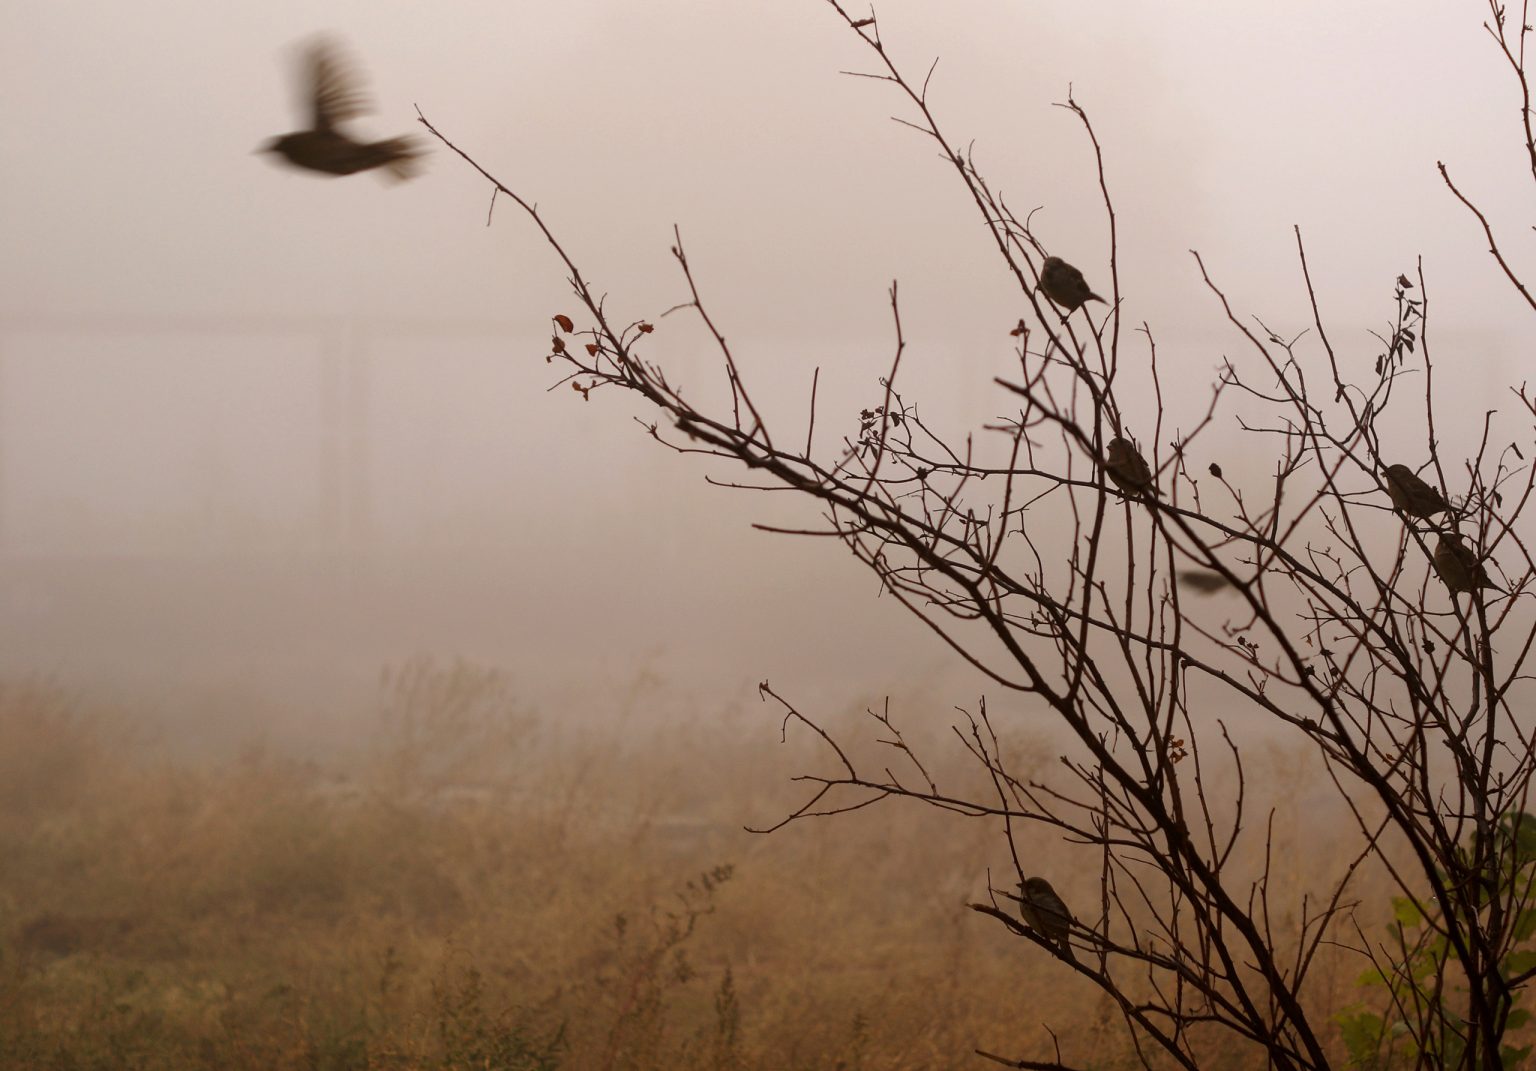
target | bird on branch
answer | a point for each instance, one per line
(1044, 912)
(1411, 494)
(1065, 285)
(1126, 468)
(1458, 566)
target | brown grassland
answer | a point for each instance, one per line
(465, 891)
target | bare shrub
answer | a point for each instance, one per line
(1376, 611)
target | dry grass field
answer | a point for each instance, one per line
(467, 891)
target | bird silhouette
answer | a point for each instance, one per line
(1043, 911)
(1458, 566)
(1127, 469)
(1412, 495)
(1202, 580)
(331, 95)
(1065, 285)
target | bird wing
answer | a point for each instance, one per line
(333, 90)
(1079, 284)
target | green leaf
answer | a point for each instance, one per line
(1427, 960)
(1455, 1046)
(1522, 826)
(1519, 962)
(1371, 977)
(1525, 924)
(1362, 1036)
(1513, 1056)
(1436, 950)
(1406, 911)
(1517, 1018)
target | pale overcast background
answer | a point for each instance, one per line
(263, 432)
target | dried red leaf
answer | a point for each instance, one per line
(565, 322)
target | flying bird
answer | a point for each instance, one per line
(330, 93)
(1043, 911)
(1126, 467)
(1202, 580)
(1065, 285)
(1412, 495)
(1458, 566)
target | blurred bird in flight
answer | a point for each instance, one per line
(330, 94)
(1202, 580)
(1065, 285)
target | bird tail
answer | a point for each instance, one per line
(402, 157)
(1094, 297)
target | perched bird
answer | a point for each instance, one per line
(1412, 495)
(331, 95)
(1065, 285)
(1126, 467)
(1458, 566)
(1043, 911)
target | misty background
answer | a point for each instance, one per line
(263, 433)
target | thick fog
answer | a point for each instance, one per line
(264, 432)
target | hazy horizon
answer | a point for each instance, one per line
(266, 431)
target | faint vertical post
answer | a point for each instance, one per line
(332, 358)
(5, 533)
(358, 490)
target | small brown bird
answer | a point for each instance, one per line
(1412, 495)
(331, 95)
(1458, 566)
(1043, 912)
(1065, 285)
(1126, 467)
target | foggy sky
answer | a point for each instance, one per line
(168, 301)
